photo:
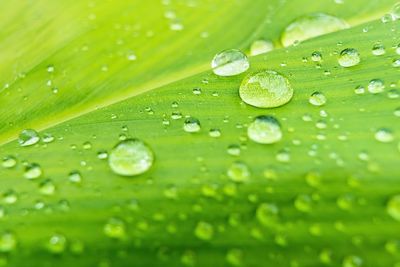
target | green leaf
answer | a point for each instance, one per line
(328, 205)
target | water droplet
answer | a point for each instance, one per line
(303, 203)
(260, 47)
(50, 68)
(28, 137)
(102, 154)
(378, 49)
(233, 150)
(196, 91)
(396, 11)
(10, 197)
(115, 228)
(283, 156)
(265, 89)
(317, 99)
(393, 207)
(238, 172)
(8, 242)
(352, 261)
(204, 231)
(75, 177)
(396, 63)
(131, 157)
(214, 133)
(32, 171)
(9, 162)
(47, 187)
(349, 57)
(234, 257)
(265, 130)
(316, 56)
(359, 90)
(47, 138)
(267, 214)
(376, 86)
(310, 26)
(229, 63)
(191, 125)
(57, 244)
(384, 135)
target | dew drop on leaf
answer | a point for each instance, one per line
(393, 207)
(32, 171)
(376, 86)
(230, 63)
(260, 47)
(310, 26)
(191, 125)
(349, 57)
(265, 89)
(317, 99)
(9, 162)
(265, 130)
(238, 172)
(8, 242)
(204, 231)
(384, 135)
(56, 244)
(28, 137)
(115, 228)
(131, 157)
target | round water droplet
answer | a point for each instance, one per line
(9, 162)
(393, 207)
(265, 130)
(265, 89)
(130, 157)
(191, 125)
(303, 203)
(10, 197)
(47, 187)
(316, 56)
(349, 57)
(378, 49)
(310, 26)
(75, 177)
(384, 135)
(396, 11)
(57, 244)
(233, 150)
(8, 242)
(267, 213)
(234, 257)
(204, 231)
(214, 133)
(376, 86)
(229, 63)
(317, 99)
(238, 172)
(28, 137)
(260, 47)
(115, 228)
(32, 171)
(352, 261)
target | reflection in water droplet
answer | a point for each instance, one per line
(229, 63)
(349, 57)
(317, 99)
(28, 137)
(265, 89)
(384, 135)
(131, 157)
(265, 130)
(191, 125)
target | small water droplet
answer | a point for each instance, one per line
(384, 135)
(57, 244)
(303, 203)
(317, 99)
(265, 130)
(352, 261)
(376, 86)
(393, 207)
(191, 125)
(229, 63)
(32, 171)
(204, 231)
(234, 257)
(378, 49)
(115, 228)
(349, 57)
(233, 150)
(267, 214)
(265, 89)
(131, 157)
(316, 56)
(9, 162)
(28, 137)
(47, 187)
(238, 172)
(75, 177)
(8, 242)
(214, 133)
(260, 47)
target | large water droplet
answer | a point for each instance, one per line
(265, 89)
(349, 57)
(191, 125)
(131, 157)
(376, 86)
(32, 171)
(384, 135)
(265, 130)
(393, 207)
(229, 63)
(28, 137)
(310, 26)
